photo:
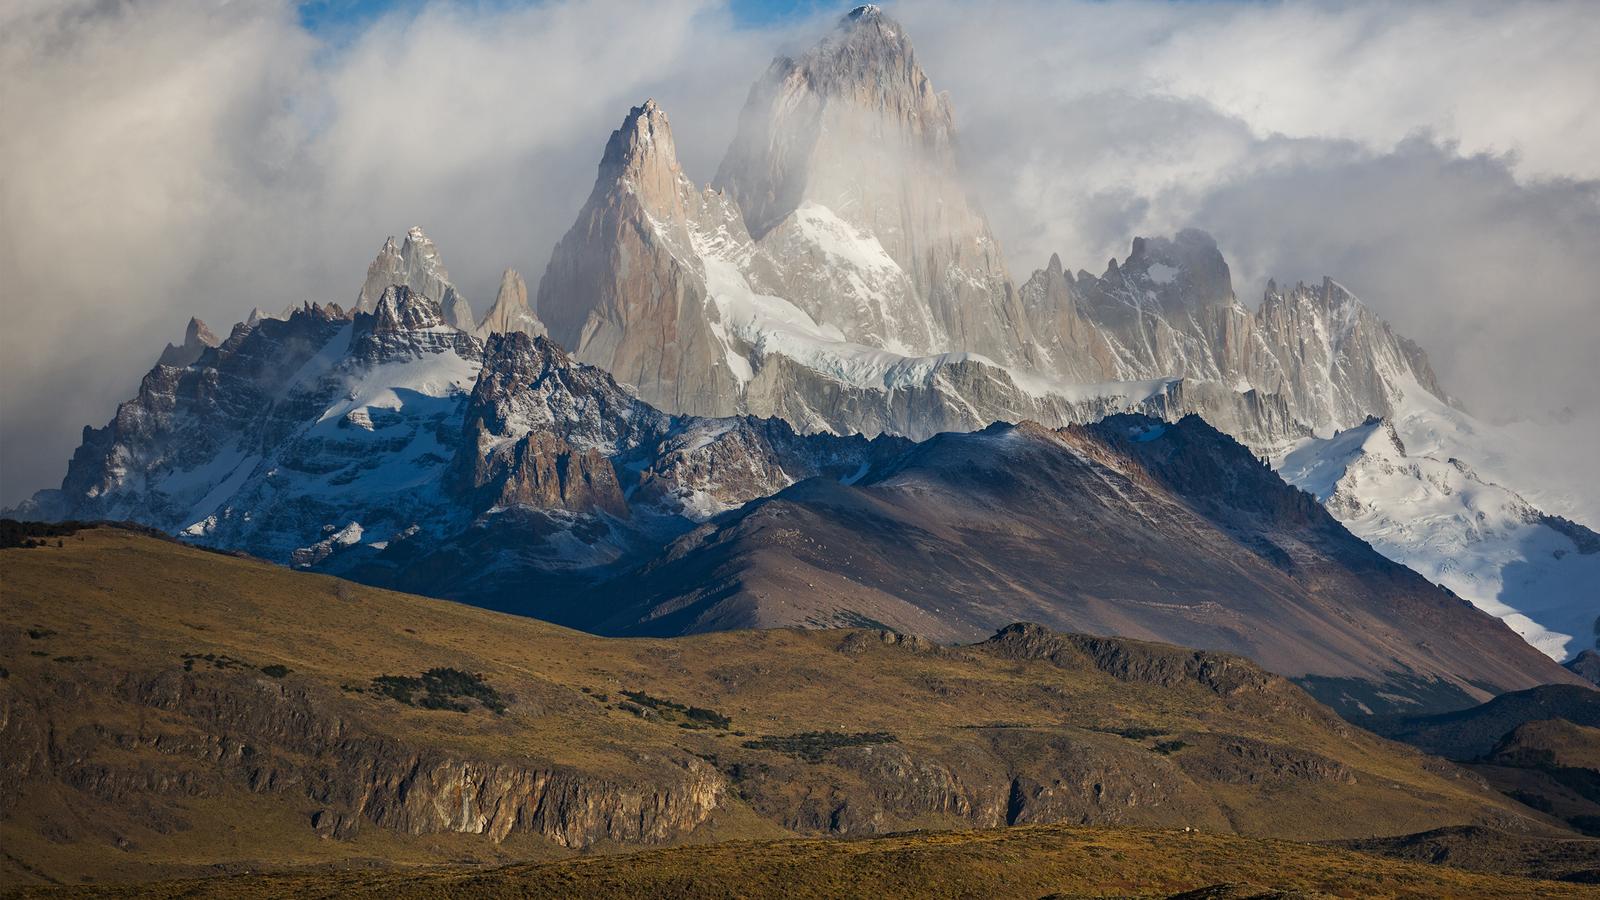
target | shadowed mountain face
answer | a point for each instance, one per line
(1474, 733)
(1540, 747)
(1131, 527)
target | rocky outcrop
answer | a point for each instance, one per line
(1156, 664)
(182, 419)
(1586, 665)
(407, 325)
(1008, 777)
(244, 730)
(196, 338)
(541, 431)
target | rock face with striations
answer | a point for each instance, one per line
(1169, 310)
(624, 288)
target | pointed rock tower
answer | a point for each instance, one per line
(625, 289)
(196, 338)
(511, 311)
(852, 133)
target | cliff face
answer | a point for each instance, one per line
(293, 741)
(1169, 309)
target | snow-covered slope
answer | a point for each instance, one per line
(1440, 517)
(1550, 463)
(371, 442)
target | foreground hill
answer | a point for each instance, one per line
(1023, 862)
(173, 711)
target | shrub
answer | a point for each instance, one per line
(440, 688)
(685, 716)
(811, 746)
(709, 717)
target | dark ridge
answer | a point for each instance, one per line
(26, 533)
(1473, 733)
(1480, 849)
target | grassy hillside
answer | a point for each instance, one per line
(167, 712)
(1022, 862)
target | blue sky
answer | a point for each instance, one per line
(335, 19)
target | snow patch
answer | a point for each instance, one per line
(1161, 273)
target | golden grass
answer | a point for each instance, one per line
(1019, 862)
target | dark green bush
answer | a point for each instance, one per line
(440, 688)
(811, 746)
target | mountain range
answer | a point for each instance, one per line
(778, 404)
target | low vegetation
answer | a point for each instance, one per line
(684, 715)
(772, 728)
(813, 746)
(1023, 862)
(441, 688)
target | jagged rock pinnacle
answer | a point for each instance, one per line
(510, 312)
(642, 153)
(196, 338)
(415, 264)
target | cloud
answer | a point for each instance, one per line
(1498, 279)
(163, 159)
(1436, 158)
(166, 159)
